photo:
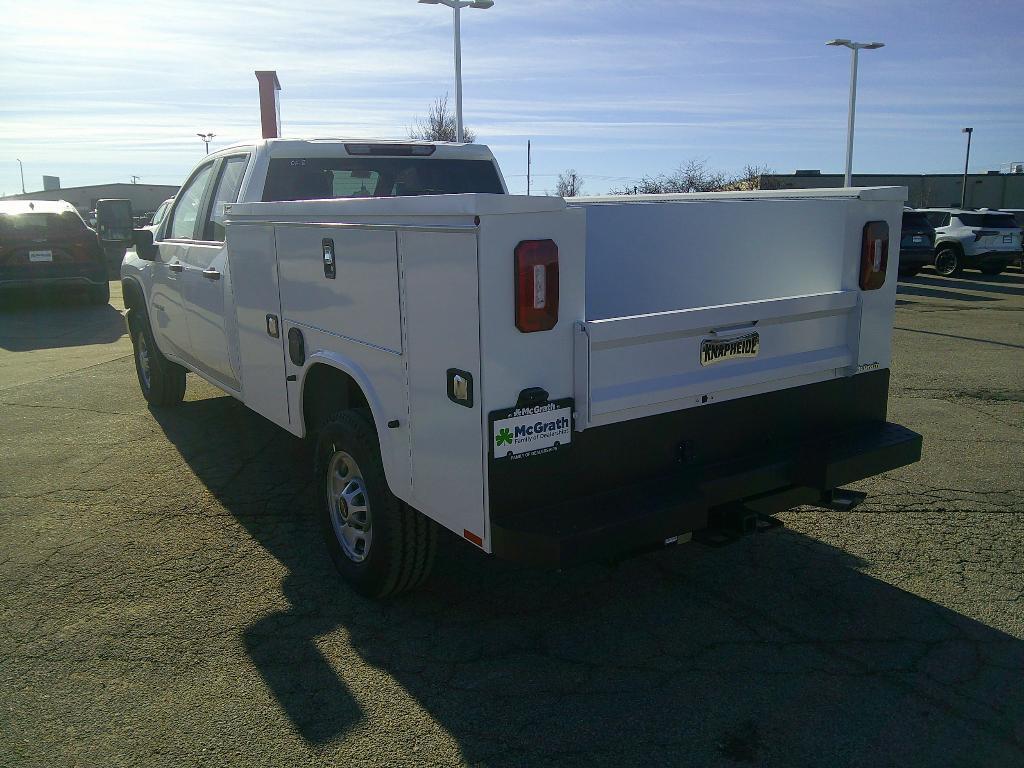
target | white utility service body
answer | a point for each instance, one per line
(712, 356)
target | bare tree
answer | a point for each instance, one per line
(695, 176)
(439, 125)
(570, 184)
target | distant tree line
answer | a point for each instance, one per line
(696, 176)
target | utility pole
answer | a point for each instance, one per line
(135, 179)
(527, 166)
(855, 48)
(22, 169)
(967, 160)
(457, 6)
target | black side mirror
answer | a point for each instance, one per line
(145, 248)
(114, 220)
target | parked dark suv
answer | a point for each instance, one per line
(917, 242)
(47, 243)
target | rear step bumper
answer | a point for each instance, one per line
(646, 515)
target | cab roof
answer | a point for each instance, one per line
(332, 146)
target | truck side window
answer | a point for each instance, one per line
(228, 184)
(186, 210)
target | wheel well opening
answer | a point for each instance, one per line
(132, 295)
(325, 391)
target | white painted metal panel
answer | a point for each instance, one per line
(654, 361)
(253, 265)
(361, 301)
(658, 257)
(442, 331)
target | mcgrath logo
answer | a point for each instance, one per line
(504, 436)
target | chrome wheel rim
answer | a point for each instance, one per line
(945, 263)
(349, 506)
(142, 356)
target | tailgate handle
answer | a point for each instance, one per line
(736, 327)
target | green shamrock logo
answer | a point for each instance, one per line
(504, 436)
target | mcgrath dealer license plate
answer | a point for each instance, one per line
(716, 350)
(527, 431)
(40, 255)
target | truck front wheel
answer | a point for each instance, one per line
(379, 544)
(162, 382)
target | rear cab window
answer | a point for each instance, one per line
(325, 178)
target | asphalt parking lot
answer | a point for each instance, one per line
(165, 598)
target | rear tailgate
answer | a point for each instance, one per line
(697, 299)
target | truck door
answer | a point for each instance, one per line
(207, 281)
(167, 299)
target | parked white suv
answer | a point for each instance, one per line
(982, 239)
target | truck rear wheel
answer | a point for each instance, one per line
(162, 382)
(379, 544)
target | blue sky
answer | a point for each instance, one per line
(98, 91)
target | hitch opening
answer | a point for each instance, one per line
(841, 499)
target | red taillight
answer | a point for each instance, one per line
(874, 255)
(536, 285)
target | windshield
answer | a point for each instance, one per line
(990, 220)
(323, 178)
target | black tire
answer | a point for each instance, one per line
(162, 382)
(399, 543)
(992, 270)
(99, 294)
(909, 271)
(948, 262)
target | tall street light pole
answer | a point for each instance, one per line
(967, 160)
(22, 169)
(856, 48)
(207, 138)
(457, 6)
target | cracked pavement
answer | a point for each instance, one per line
(165, 598)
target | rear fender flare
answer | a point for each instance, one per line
(388, 438)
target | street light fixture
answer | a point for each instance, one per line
(456, 6)
(207, 138)
(856, 48)
(967, 160)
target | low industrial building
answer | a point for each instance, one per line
(926, 190)
(145, 197)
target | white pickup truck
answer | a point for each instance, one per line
(552, 380)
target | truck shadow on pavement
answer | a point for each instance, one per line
(38, 320)
(777, 650)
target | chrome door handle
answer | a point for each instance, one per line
(176, 267)
(211, 274)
